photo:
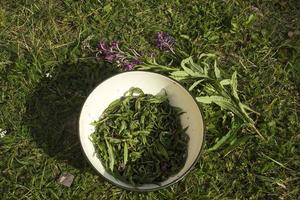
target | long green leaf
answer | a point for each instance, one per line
(196, 67)
(162, 150)
(189, 62)
(225, 82)
(111, 156)
(217, 71)
(156, 67)
(248, 108)
(205, 99)
(123, 126)
(113, 140)
(228, 138)
(195, 84)
(223, 103)
(179, 74)
(185, 61)
(234, 85)
(189, 71)
(221, 141)
(125, 153)
(245, 113)
(205, 69)
(208, 55)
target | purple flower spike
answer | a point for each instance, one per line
(111, 53)
(164, 41)
(115, 45)
(129, 66)
(137, 62)
(109, 57)
(102, 46)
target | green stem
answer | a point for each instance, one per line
(257, 131)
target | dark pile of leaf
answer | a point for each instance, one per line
(139, 138)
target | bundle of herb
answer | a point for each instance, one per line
(202, 77)
(210, 87)
(139, 138)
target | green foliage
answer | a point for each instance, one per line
(214, 88)
(47, 70)
(139, 138)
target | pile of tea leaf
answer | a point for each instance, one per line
(139, 138)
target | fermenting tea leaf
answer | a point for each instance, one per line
(111, 156)
(129, 141)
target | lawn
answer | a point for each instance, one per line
(48, 66)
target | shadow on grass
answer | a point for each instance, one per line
(54, 107)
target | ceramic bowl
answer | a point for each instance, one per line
(151, 83)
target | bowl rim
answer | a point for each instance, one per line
(135, 189)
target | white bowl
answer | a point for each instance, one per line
(151, 83)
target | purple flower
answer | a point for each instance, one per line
(115, 45)
(111, 52)
(102, 46)
(130, 65)
(137, 62)
(109, 57)
(164, 41)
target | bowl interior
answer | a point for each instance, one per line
(151, 83)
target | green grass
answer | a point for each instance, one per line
(47, 71)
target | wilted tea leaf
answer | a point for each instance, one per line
(139, 138)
